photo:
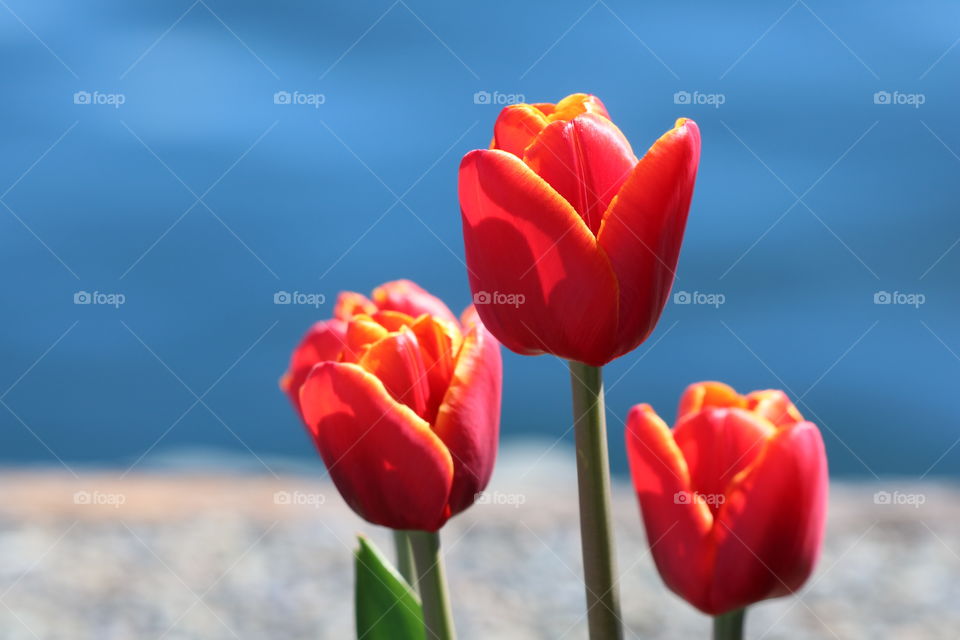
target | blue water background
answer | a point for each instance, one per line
(812, 197)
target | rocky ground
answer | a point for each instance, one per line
(237, 555)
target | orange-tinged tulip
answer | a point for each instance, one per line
(734, 499)
(571, 241)
(403, 403)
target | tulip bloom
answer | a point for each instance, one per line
(734, 499)
(403, 403)
(571, 241)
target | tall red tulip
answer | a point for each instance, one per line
(403, 403)
(734, 499)
(571, 241)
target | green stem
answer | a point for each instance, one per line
(404, 555)
(432, 582)
(596, 527)
(729, 626)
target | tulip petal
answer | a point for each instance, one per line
(574, 105)
(708, 394)
(717, 444)
(518, 124)
(407, 297)
(516, 127)
(393, 320)
(523, 239)
(362, 331)
(769, 533)
(384, 459)
(677, 526)
(643, 228)
(324, 341)
(397, 362)
(586, 160)
(469, 418)
(350, 303)
(438, 344)
(775, 406)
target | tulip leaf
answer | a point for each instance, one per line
(387, 607)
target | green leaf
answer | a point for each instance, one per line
(387, 608)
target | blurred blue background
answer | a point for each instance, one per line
(199, 197)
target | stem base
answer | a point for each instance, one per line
(432, 583)
(729, 626)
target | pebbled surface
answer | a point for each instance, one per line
(211, 556)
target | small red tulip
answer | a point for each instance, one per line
(403, 403)
(734, 499)
(571, 242)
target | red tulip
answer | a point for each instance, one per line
(734, 499)
(571, 242)
(403, 403)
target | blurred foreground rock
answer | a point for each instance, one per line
(238, 555)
